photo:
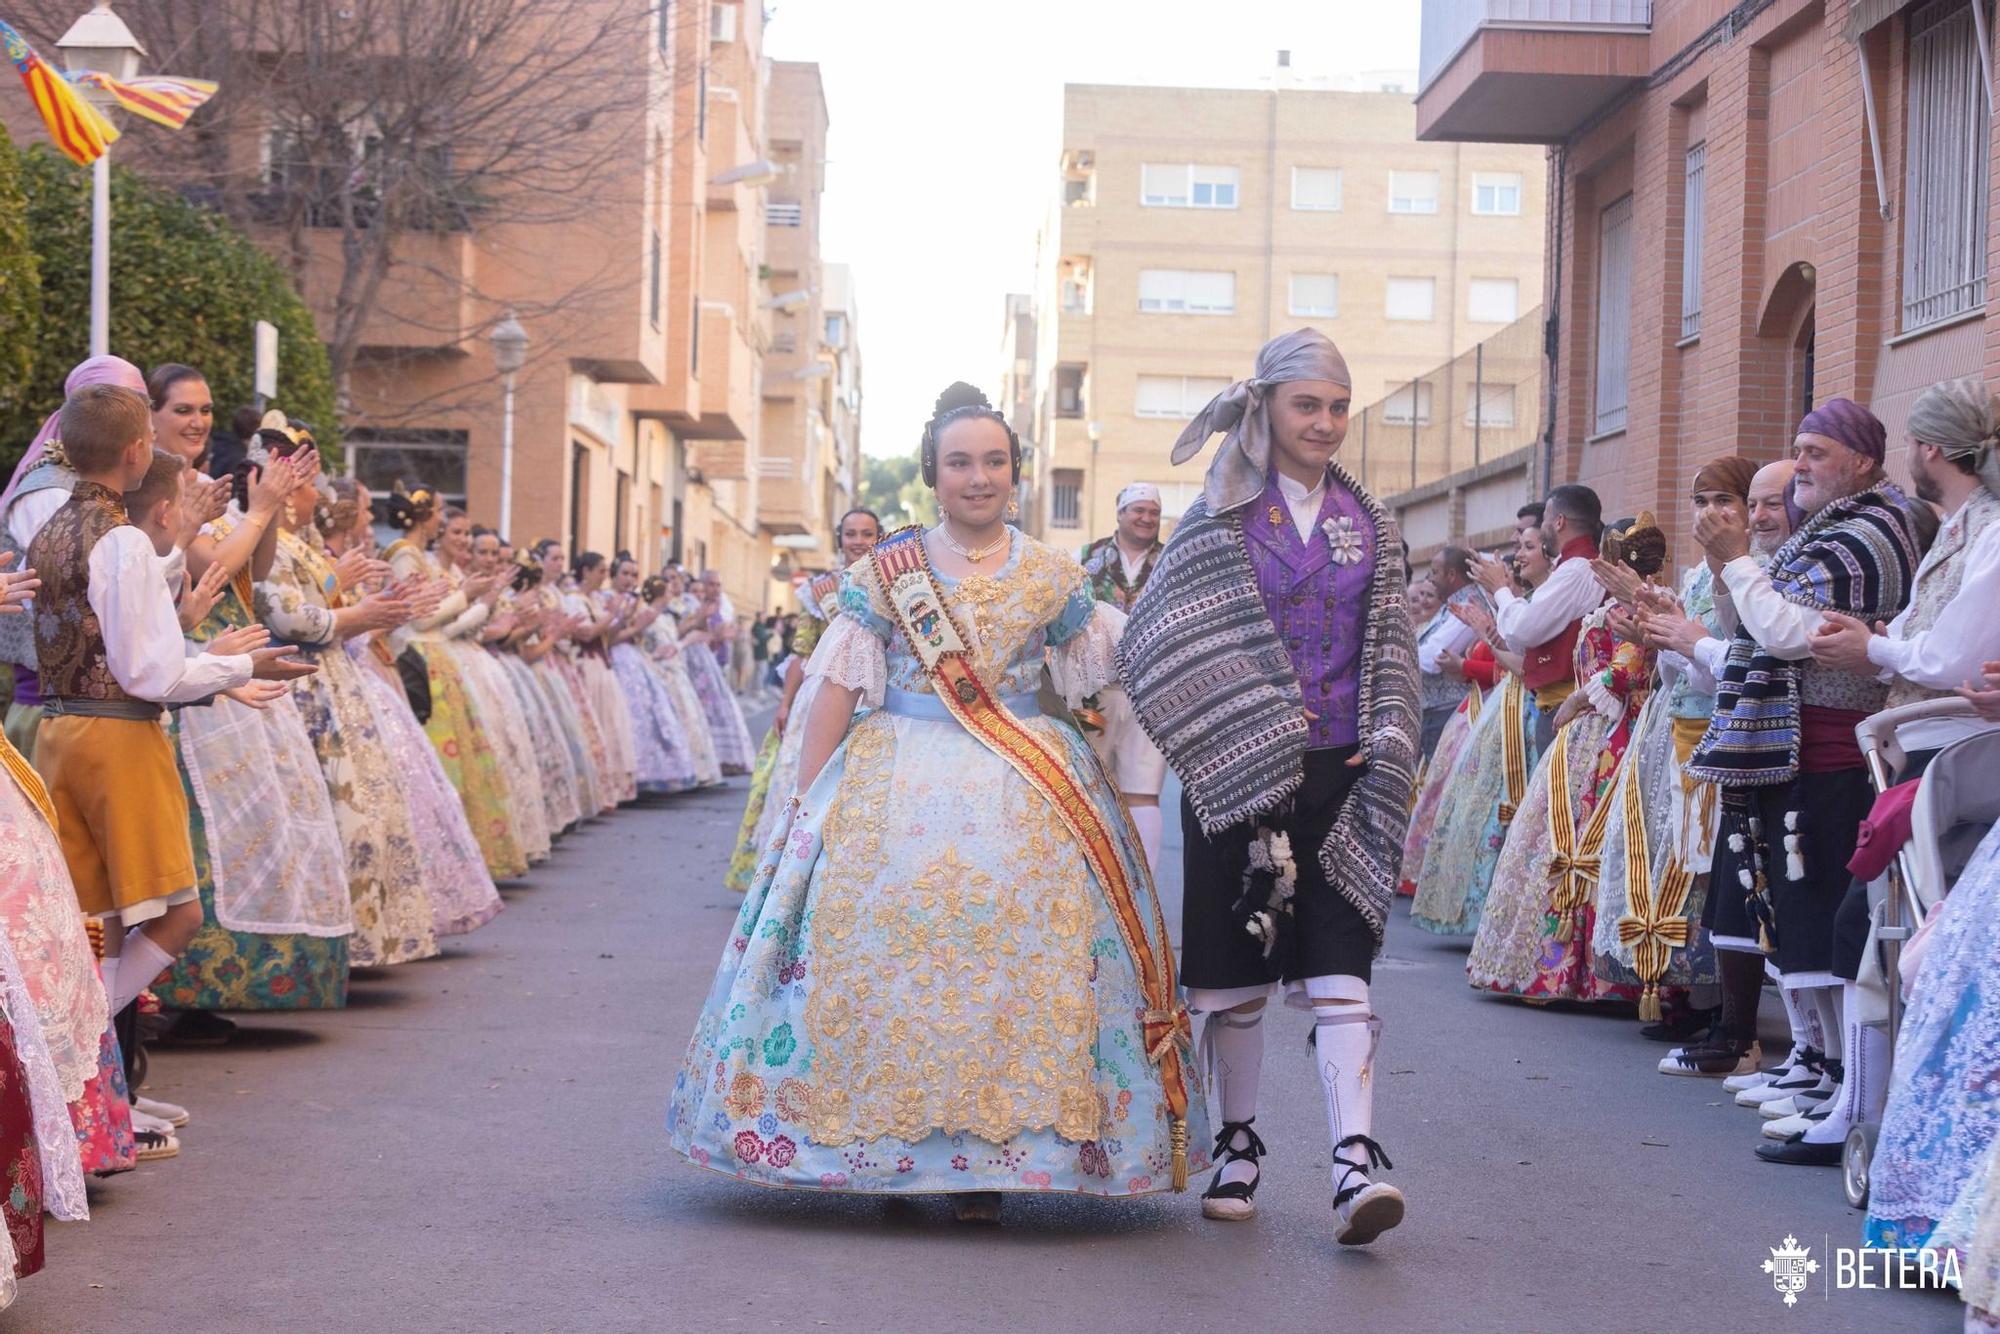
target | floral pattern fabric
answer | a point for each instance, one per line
(1929, 1182)
(1466, 835)
(733, 748)
(103, 1115)
(926, 990)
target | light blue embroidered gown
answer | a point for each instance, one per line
(1931, 1171)
(925, 990)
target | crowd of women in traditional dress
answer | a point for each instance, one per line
(252, 749)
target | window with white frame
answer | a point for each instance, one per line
(1066, 498)
(1496, 194)
(1410, 298)
(1493, 300)
(1176, 396)
(1490, 405)
(1614, 314)
(1069, 389)
(1316, 189)
(1413, 192)
(1315, 294)
(1187, 185)
(1408, 404)
(1187, 291)
(1694, 193)
(1944, 214)
(722, 23)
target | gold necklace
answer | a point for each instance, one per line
(973, 555)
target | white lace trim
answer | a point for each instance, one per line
(1087, 661)
(55, 1134)
(850, 655)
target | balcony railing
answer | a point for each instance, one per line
(1449, 24)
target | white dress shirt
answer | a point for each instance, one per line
(1781, 628)
(143, 644)
(1303, 502)
(1444, 633)
(31, 513)
(1570, 593)
(1963, 639)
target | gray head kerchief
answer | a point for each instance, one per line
(1243, 462)
(1959, 418)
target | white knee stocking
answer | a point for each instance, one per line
(1864, 1079)
(1346, 1037)
(1234, 1046)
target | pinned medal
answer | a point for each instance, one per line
(1276, 517)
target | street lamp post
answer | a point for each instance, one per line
(510, 353)
(100, 41)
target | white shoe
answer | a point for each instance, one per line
(174, 1115)
(153, 1138)
(1787, 1126)
(1367, 1214)
(1783, 1084)
(1759, 1078)
(1801, 1100)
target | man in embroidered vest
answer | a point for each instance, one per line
(109, 642)
(1543, 629)
(1446, 636)
(1119, 567)
(1942, 639)
(1271, 658)
(1781, 745)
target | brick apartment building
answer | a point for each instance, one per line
(1754, 206)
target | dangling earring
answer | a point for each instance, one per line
(1013, 508)
(291, 515)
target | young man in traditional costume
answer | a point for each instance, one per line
(1782, 745)
(109, 641)
(1119, 567)
(1543, 629)
(1271, 659)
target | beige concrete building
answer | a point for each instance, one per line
(1190, 225)
(809, 449)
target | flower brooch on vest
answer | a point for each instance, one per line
(1344, 539)
(1272, 877)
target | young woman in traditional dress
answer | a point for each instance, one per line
(733, 746)
(506, 635)
(778, 759)
(953, 821)
(661, 759)
(461, 892)
(492, 697)
(268, 854)
(1489, 780)
(550, 653)
(1534, 936)
(456, 728)
(300, 600)
(660, 642)
(592, 638)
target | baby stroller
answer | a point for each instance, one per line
(1957, 802)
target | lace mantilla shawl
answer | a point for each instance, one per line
(1213, 686)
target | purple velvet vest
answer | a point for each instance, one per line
(1318, 605)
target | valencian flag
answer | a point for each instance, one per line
(161, 98)
(79, 129)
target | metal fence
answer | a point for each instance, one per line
(1478, 406)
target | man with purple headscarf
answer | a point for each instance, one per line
(41, 485)
(1271, 659)
(1781, 746)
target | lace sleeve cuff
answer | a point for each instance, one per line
(850, 655)
(1087, 661)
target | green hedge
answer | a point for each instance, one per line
(20, 290)
(185, 286)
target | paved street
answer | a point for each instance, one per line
(476, 1145)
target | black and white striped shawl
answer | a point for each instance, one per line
(1210, 681)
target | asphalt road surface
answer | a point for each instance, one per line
(476, 1144)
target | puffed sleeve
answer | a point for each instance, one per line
(863, 601)
(1086, 660)
(1609, 689)
(283, 605)
(850, 654)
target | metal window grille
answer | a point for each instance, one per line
(1066, 499)
(784, 215)
(1693, 230)
(1944, 226)
(1614, 314)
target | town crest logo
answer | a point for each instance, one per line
(1790, 1266)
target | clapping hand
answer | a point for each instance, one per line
(201, 503)
(241, 639)
(355, 567)
(1624, 626)
(198, 599)
(274, 664)
(257, 694)
(1672, 630)
(1985, 693)
(1620, 581)
(1451, 665)
(1488, 573)
(16, 586)
(1841, 643)
(1724, 533)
